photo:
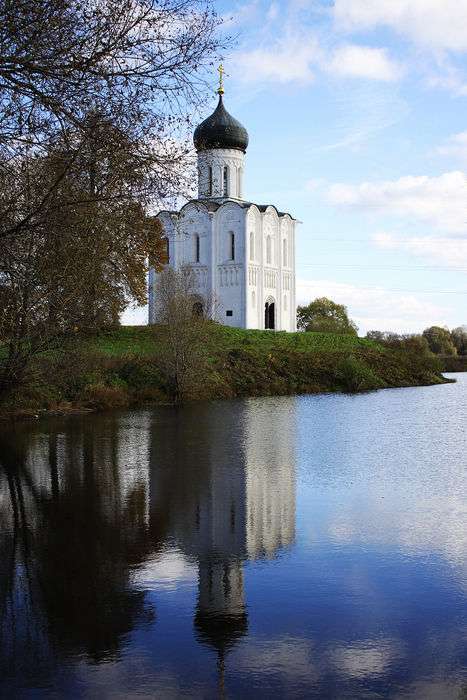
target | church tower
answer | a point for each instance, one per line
(242, 255)
(221, 142)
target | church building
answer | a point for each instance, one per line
(242, 255)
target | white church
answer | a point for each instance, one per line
(242, 255)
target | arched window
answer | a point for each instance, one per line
(268, 250)
(252, 245)
(210, 180)
(226, 181)
(232, 245)
(197, 248)
(284, 252)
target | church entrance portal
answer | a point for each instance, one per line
(198, 309)
(269, 315)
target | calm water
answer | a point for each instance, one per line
(304, 547)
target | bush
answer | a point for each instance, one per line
(101, 396)
(354, 375)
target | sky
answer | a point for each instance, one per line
(357, 117)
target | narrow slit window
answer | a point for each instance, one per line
(226, 181)
(232, 246)
(210, 180)
(197, 248)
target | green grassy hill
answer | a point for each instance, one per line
(123, 366)
(143, 340)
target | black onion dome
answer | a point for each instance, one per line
(220, 130)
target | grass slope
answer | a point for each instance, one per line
(143, 340)
(121, 366)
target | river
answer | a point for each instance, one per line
(284, 547)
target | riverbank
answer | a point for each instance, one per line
(122, 366)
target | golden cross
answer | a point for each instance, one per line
(220, 89)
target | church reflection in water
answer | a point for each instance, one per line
(85, 502)
(227, 484)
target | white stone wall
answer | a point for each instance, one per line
(262, 268)
(229, 272)
(270, 274)
(212, 185)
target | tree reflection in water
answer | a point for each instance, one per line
(86, 502)
(72, 532)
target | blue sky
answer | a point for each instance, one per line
(356, 111)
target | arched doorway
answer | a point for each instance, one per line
(198, 309)
(270, 314)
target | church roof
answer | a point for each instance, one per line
(220, 130)
(212, 205)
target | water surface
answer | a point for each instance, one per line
(296, 547)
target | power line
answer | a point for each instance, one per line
(396, 291)
(407, 268)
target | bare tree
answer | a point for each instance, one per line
(137, 63)
(183, 331)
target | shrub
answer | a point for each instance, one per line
(354, 375)
(101, 396)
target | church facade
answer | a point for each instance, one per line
(241, 254)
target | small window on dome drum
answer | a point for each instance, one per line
(210, 180)
(226, 181)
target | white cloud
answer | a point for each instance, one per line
(376, 308)
(437, 24)
(166, 570)
(365, 658)
(440, 201)
(273, 11)
(440, 252)
(241, 14)
(364, 62)
(455, 146)
(447, 76)
(289, 59)
(290, 657)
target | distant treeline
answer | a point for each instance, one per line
(440, 341)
